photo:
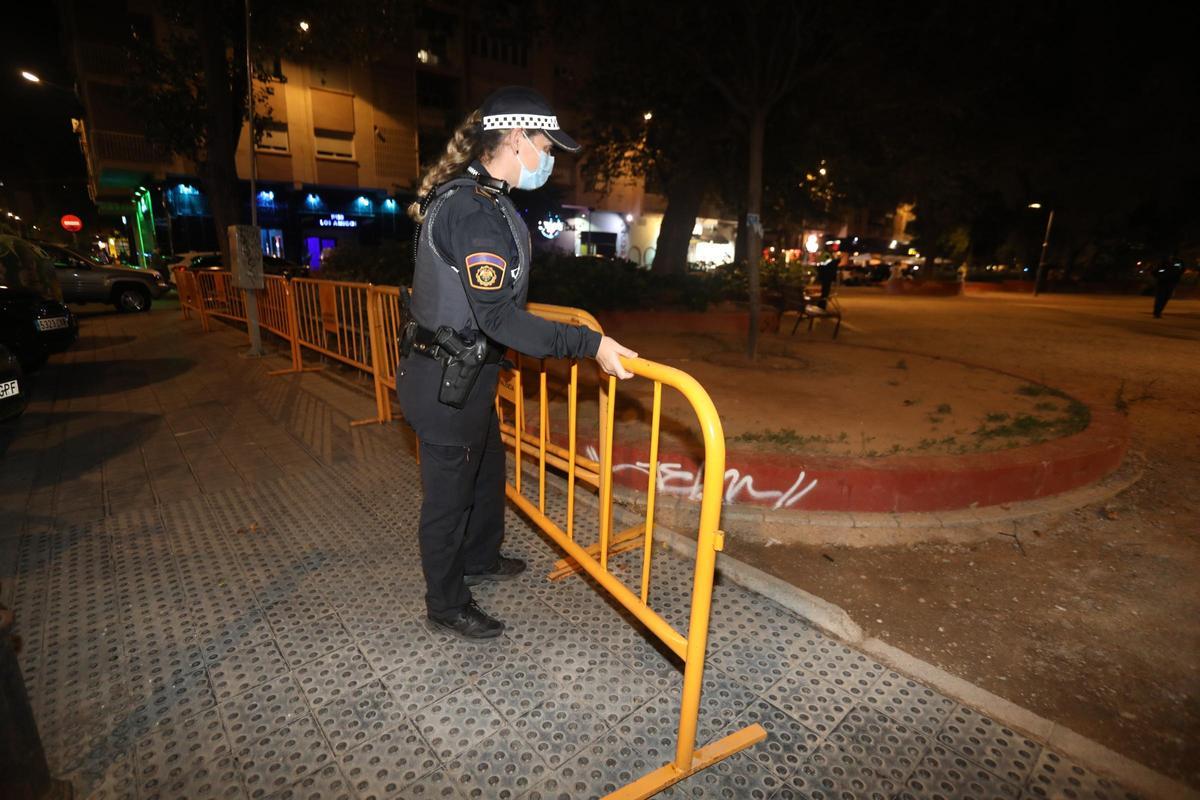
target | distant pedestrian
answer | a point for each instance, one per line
(1166, 278)
(826, 274)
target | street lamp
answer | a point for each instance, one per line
(29, 76)
(304, 26)
(1039, 276)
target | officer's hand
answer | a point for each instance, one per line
(607, 357)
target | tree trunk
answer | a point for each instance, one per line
(758, 127)
(684, 195)
(739, 242)
(220, 168)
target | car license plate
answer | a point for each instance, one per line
(51, 324)
(9, 389)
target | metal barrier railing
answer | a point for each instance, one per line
(357, 324)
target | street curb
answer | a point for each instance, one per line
(833, 528)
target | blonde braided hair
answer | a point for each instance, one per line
(469, 142)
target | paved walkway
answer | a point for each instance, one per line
(218, 594)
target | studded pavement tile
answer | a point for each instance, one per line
(384, 766)
(359, 715)
(1056, 775)
(990, 744)
(880, 742)
(945, 775)
(503, 766)
(910, 703)
(830, 772)
(457, 721)
(334, 675)
(279, 759)
(807, 698)
(263, 710)
(327, 783)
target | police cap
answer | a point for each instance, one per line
(523, 107)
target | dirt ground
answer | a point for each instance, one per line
(1093, 619)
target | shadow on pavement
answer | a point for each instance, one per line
(86, 379)
(93, 439)
(101, 342)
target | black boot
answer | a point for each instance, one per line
(471, 623)
(505, 569)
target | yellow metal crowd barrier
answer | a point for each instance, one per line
(358, 323)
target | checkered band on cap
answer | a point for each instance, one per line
(529, 121)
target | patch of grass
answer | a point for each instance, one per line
(996, 416)
(933, 419)
(787, 437)
(943, 408)
(901, 364)
(911, 402)
(1035, 428)
(893, 383)
(1040, 390)
(1045, 406)
(843, 437)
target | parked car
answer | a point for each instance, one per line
(33, 321)
(14, 393)
(272, 265)
(85, 279)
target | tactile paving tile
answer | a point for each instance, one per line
(612, 691)
(457, 721)
(117, 781)
(358, 716)
(245, 667)
(327, 783)
(834, 663)
(171, 758)
(733, 778)
(434, 786)
(393, 645)
(502, 766)
(757, 665)
(788, 743)
(475, 659)
(425, 679)
(334, 675)
(305, 643)
(517, 686)
(384, 766)
(595, 771)
(279, 759)
(879, 742)
(819, 705)
(832, 773)
(945, 775)
(907, 701)
(170, 701)
(263, 710)
(1057, 776)
(990, 744)
(560, 727)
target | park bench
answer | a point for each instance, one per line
(808, 307)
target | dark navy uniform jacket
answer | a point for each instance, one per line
(472, 273)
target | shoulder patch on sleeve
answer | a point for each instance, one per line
(485, 271)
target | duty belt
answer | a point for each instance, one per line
(422, 341)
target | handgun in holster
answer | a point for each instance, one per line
(462, 359)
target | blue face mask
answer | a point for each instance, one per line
(535, 179)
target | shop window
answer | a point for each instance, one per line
(334, 144)
(272, 242)
(274, 137)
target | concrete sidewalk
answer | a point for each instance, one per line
(216, 584)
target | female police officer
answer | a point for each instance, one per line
(468, 298)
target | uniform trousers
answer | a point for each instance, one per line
(462, 516)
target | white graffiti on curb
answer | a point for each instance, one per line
(673, 479)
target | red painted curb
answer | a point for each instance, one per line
(896, 483)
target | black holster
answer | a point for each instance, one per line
(461, 360)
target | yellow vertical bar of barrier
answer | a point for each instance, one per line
(572, 400)
(709, 540)
(519, 421)
(383, 405)
(606, 475)
(543, 432)
(293, 325)
(652, 486)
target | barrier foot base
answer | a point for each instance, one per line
(628, 539)
(654, 782)
(354, 423)
(293, 370)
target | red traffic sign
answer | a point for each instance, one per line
(72, 223)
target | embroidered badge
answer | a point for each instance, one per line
(486, 271)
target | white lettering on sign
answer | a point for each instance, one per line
(673, 479)
(337, 221)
